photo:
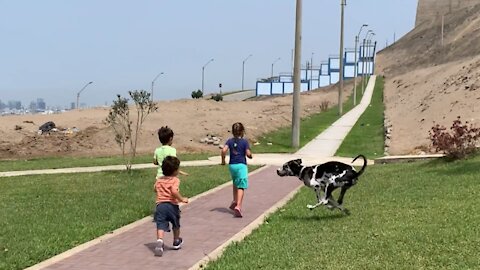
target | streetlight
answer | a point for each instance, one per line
(203, 72)
(343, 3)
(369, 42)
(153, 82)
(356, 66)
(363, 62)
(243, 69)
(78, 94)
(271, 76)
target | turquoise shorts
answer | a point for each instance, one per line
(239, 173)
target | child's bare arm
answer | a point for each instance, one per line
(249, 153)
(224, 153)
(179, 197)
(155, 161)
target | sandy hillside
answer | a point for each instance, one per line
(428, 83)
(190, 119)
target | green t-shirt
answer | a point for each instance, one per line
(161, 153)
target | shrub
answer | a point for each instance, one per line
(197, 94)
(217, 97)
(459, 142)
(324, 105)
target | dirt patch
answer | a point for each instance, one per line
(191, 120)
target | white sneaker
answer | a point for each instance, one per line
(159, 248)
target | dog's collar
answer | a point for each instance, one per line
(301, 170)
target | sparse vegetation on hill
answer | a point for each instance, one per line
(430, 82)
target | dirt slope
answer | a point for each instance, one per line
(428, 83)
(191, 120)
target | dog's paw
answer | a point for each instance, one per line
(309, 206)
(330, 207)
(323, 201)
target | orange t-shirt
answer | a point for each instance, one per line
(164, 187)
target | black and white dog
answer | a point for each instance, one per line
(325, 177)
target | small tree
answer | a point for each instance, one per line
(127, 131)
(457, 143)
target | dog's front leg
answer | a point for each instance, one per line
(317, 193)
(326, 195)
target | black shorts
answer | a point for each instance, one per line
(167, 213)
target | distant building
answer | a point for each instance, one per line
(15, 105)
(33, 106)
(72, 106)
(41, 105)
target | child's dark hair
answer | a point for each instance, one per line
(169, 165)
(238, 130)
(164, 134)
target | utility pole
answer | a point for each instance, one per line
(296, 77)
(340, 89)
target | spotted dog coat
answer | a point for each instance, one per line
(325, 177)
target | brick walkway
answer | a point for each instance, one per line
(207, 223)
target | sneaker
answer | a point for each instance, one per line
(237, 212)
(159, 248)
(177, 243)
(232, 206)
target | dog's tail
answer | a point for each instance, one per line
(364, 164)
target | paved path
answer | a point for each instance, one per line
(208, 225)
(327, 143)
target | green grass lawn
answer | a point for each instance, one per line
(69, 162)
(310, 127)
(366, 137)
(404, 216)
(44, 215)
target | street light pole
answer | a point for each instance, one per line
(340, 89)
(368, 55)
(78, 94)
(364, 57)
(203, 74)
(296, 77)
(356, 66)
(153, 82)
(271, 76)
(243, 69)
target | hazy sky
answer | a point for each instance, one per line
(51, 48)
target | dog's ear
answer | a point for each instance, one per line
(298, 161)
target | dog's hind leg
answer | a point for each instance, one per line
(342, 194)
(338, 206)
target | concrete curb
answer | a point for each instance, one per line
(407, 158)
(121, 230)
(102, 168)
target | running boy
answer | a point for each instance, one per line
(167, 210)
(165, 135)
(239, 150)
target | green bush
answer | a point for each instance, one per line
(197, 94)
(217, 97)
